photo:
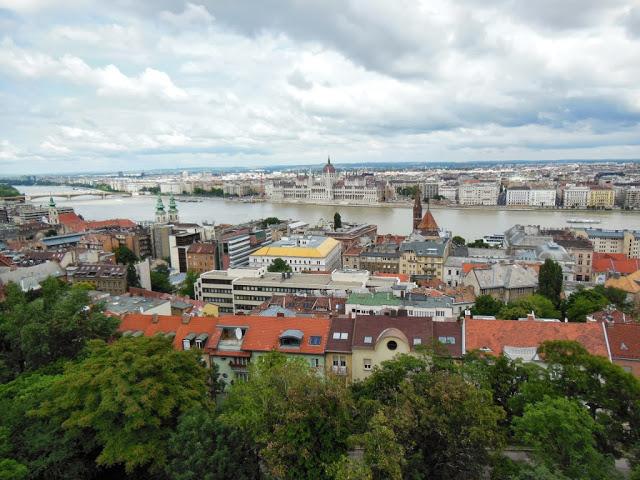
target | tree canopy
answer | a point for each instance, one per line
(550, 280)
(279, 265)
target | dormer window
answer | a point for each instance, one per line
(315, 340)
(201, 340)
(291, 338)
(188, 341)
(368, 339)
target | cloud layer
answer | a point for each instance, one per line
(91, 85)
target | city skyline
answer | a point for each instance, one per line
(136, 86)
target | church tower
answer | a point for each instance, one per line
(53, 213)
(417, 209)
(173, 210)
(161, 215)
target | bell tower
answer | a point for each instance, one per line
(417, 209)
(173, 211)
(53, 213)
(161, 215)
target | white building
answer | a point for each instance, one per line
(478, 194)
(575, 196)
(450, 192)
(328, 187)
(302, 253)
(531, 197)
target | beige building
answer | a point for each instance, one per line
(309, 253)
(504, 282)
(424, 259)
(601, 197)
(612, 241)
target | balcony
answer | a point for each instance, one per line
(339, 370)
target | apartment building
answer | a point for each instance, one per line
(478, 193)
(601, 197)
(503, 282)
(574, 196)
(631, 198)
(612, 241)
(424, 259)
(246, 288)
(530, 197)
(386, 303)
(102, 276)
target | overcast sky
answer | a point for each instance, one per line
(133, 84)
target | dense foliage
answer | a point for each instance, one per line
(7, 190)
(160, 279)
(279, 265)
(76, 406)
(550, 281)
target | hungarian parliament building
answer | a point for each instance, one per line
(360, 189)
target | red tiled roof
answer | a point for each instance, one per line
(72, 222)
(614, 262)
(428, 223)
(263, 333)
(114, 222)
(403, 277)
(624, 340)
(467, 267)
(5, 261)
(496, 334)
(171, 323)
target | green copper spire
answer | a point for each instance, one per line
(159, 205)
(52, 204)
(172, 204)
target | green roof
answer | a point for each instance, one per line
(374, 299)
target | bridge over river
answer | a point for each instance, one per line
(77, 193)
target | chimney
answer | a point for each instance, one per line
(467, 314)
(531, 316)
(154, 318)
(186, 318)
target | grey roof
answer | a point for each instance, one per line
(275, 310)
(29, 278)
(123, 304)
(292, 333)
(507, 276)
(600, 233)
(426, 248)
(487, 253)
(62, 239)
(553, 251)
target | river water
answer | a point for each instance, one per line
(469, 223)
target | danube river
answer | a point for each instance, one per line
(469, 223)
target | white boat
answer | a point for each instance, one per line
(582, 220)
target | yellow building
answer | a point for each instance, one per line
(424, 259)
(601, 198)
(310, 253)
(364, 343)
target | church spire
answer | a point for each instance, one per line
(417, 208)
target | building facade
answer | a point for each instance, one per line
(301, 253)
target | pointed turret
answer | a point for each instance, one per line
(173, 210)
(52, 204)
(428, 227)
(53, 212)
(161, 215)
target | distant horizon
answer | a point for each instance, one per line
(315, 166)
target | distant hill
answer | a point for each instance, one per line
(8, 191)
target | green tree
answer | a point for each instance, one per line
(133, 280)
(188, 284)
(160, 280)
(128, 395)
(447, 426)
(54, 326)
(279, 265)
(585, 301)
(479, 243)
(124, 255)
(486, 305)
(611, 395)
(270, 221)
(203, 448)
(458, 240)
(7, 190)
(550, 280)
(383, 455)
(541, 306)
(337, 221)
(561, 433)
(298, 420)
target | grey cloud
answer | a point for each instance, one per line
(298, 80)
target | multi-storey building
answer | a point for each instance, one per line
(450, 192)
(503, 282)
(384, 303)
(301, 253)
(201, 257)
(612, 241)
(601, 197)
(631, 198)
(530, 197)
(104, 277)
(575, 196)
(478, 193)
(328, 187)
(383, 258)
(243, 289)
(424, 259)
(581, 250)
